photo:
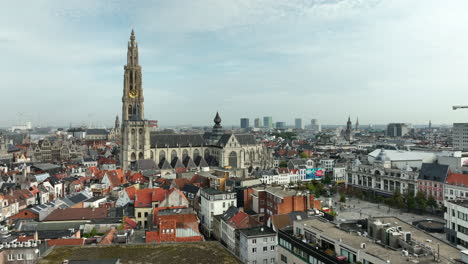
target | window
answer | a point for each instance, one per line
(284, 258)
(254, 250)
(146, 214)
(265, 249)
(254, 262)
(272, 260)
(139, 214)
(272, 248)
(265, 261)
(265, 239)
(224, 204)
(11, 257)
(272, 239)
(254, 241)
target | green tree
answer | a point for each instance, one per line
(421, 201)
(283, 164)
(397, 200)
(410, 201)
(432, 203)
(342, 198)
(303, 155)
(93, 232)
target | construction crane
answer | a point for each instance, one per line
(455, 107)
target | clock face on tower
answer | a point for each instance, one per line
(133, 93)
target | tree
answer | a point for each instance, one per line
(283, 164)
(410, 201)
(397, 200)
(342, 198)
(303, 155)
(431, 202)
(421, 201)
(93, 232)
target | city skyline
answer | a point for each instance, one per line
(68, 60)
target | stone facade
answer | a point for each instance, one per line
(179, 151)
(47, 152)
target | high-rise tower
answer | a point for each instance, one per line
(135, 132)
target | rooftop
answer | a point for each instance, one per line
(354, 240)
(257, 231)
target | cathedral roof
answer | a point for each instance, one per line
(188, 163)
(243, 139)
(176, 140)
(164, 165)
(201, 162)
(176, 163)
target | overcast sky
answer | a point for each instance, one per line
(381, 60)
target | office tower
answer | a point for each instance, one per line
(244, 123)
(257, 123)
(397, 129)
(268, 122)
(298, 123)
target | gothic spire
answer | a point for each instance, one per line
(217, 119)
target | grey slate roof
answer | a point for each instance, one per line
(146, 164)
(177, 140)
(433, 172)
(257, 231)
(177, 164)
(190, 188)
(224, 139)
(246, 139)
(96, 131)
(188, 163)
(230, 212)
(201, 162)
(164, 165)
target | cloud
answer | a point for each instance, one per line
(383, 61)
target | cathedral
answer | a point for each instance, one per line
(173, 151)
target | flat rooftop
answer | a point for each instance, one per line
(199, 252)
(330, 229)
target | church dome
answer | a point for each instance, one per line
(382, 156)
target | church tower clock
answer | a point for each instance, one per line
(135, 131)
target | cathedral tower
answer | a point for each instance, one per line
(135, 132)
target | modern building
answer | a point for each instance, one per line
(268, 122)
(456, 217)
(280, 125)
(244, 123)
(378, 240)
(257, 245)
(315, 126)
(397, 129)
(257, 123)
(298, 123)
(214, 202)
(460, 136)
(327, 164)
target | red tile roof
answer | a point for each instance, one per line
(129, 223)
(145, 197)
(108, 238)
(238, 218)
(457, 179)
(137, 177)
(68, 214)
(181, 182)
(131, 192)
(66, 242)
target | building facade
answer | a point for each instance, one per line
(214, 202)
(397, 129)
(175, 151)
(460, 136)
(257, 245)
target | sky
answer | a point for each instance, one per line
(380, 60)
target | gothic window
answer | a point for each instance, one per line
(196, 153)
(130, 110)
(184, 154)
(140, 131)
(162, 155)
(151, 155)
(233, 159)
(140, 156)
(207, 153)
(133, 156)
(173, 155)
(133, 131)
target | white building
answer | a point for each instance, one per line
(456, 217)
(214, 202)
(257, 245)
(327, 164)
(339, 174)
